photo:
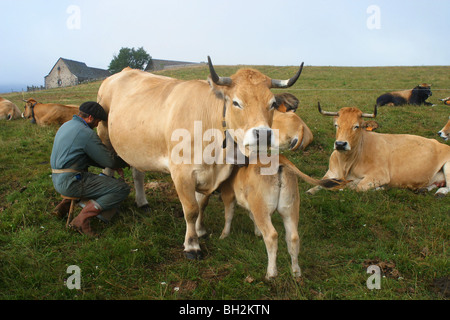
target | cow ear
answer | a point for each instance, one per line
(219, 91)
(286, 102)
(281, 108)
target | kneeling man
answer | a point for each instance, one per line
(76, 147)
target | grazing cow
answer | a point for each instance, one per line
(416, 96)
(8, 110)
(374, 160)
(150, 114)
(293, 133)
(262, 195)
(445, 131)
(48, 114)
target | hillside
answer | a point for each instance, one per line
(139, 256)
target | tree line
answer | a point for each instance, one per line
(133, 58)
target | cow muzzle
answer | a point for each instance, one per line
(342, 146)
(443, 135)
(259, 137)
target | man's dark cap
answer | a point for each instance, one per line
(94, 109)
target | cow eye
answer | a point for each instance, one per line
(273, 106)
(355, 127)
(236, 104)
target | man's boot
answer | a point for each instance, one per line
(81, 222)
(62, 209)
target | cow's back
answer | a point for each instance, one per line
(396, 150)
(145, 109)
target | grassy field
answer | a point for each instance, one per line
(139, 256)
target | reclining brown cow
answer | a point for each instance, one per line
(400, 160)
(48, 114)
(8, 110)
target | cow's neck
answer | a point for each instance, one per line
(33, 110)
(349, 159)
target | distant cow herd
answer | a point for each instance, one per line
(146, 109)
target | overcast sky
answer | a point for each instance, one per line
(34, 34)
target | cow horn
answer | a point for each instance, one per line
(282, 84)
(327, 113)
(221, 81)
(371, 115)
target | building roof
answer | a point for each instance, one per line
(82, 71)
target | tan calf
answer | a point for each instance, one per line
(262, 195)
(48, 114)
(8, 110)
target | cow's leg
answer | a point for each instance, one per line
(256, 231)
(229, 202)
(186, 193)
(262, 219)
(138, 178)
(288, 208)
(369, 182)
(202, 201)
(270, 236)
(441, 192)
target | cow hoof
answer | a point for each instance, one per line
(145, 208)
(439, 195)
(193, 255)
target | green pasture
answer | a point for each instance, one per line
(139, 256)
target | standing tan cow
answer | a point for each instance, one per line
(49, 113)
(8, 110)
(373, 160)
(445, 131)
(150, 114)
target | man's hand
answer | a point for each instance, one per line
(120, 172)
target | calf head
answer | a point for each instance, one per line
(249, 104)
(350, 126)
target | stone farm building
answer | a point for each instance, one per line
(71, 73)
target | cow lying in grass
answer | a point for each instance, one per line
(48, 114)
(373, 160)
(416, 96)
(8, 110)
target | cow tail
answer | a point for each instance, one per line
(331, 184)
